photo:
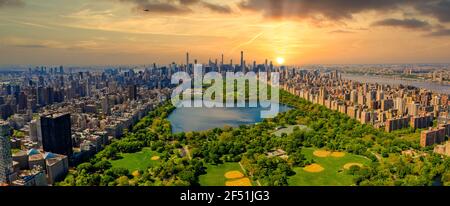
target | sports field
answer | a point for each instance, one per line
(227, 174)
(328, 169)
(137, 161)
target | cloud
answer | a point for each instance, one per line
(217, 8)
(154, 6)
(188, 2)
(339, 31)
(11, 3)
(33, 46)
(440, 9)
(174, 6)
(440, 33)
(337, 10)
(49, 44)
(330, 9)
(403, 23)
(30, 43)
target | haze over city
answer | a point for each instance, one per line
(109, 32)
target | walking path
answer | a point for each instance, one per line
(243, 169)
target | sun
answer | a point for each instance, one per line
(280, 60)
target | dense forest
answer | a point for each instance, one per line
(249, 145)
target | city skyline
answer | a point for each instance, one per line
(112, 32)
(117, 126)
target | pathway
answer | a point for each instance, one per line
(243, 169)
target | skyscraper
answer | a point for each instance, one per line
(132, 92)
(105, 106)
(354, 96)
(270, 66)
(22, 101)
(187, 60)
(40, 95)
(380, 95)
(399, 105)
(48, 96)
(6, 163)
(56, 134)
(242, 60)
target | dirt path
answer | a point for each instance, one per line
(378, 156)
(188, 153)
(243, 169)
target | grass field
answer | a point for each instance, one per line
(289, 130)
(216, 174)
(137, 161)
(333, 173)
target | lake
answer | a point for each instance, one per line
(199, 119)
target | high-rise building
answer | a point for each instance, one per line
(132, 92)
(6, 110)
(56, 134)
(354, 96)
(57, 166)
(105, 106)
(399, 105)
(413, 109)
(33, 130)
(380, 95)
(40, 96)
(242, 60)
(387, 104)
(365, 117)
(371, 96)
(352, 112)
(22, 101)
(397, 123)
(432, 136)
(187, 61)
(6, 162)
(436, 100)
(361, 99)
(48, 96)
(420, 122)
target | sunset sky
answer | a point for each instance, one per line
(83, 32)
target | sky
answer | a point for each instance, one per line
(111, 32)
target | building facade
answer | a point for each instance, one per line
(56, 133)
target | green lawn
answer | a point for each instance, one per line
(137, 161)
(216, 174)
(333, 175)
(408, 134)
(289, 130)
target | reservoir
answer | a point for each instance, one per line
(198, 119)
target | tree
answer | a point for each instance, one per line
(106, 180)
(86, 167)
(102, 165)
(188, 176)
(123, 181)
(117, 172)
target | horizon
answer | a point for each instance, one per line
(26, 66)
(235, 62)
(136, 32)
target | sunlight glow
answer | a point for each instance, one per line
(280, 60)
